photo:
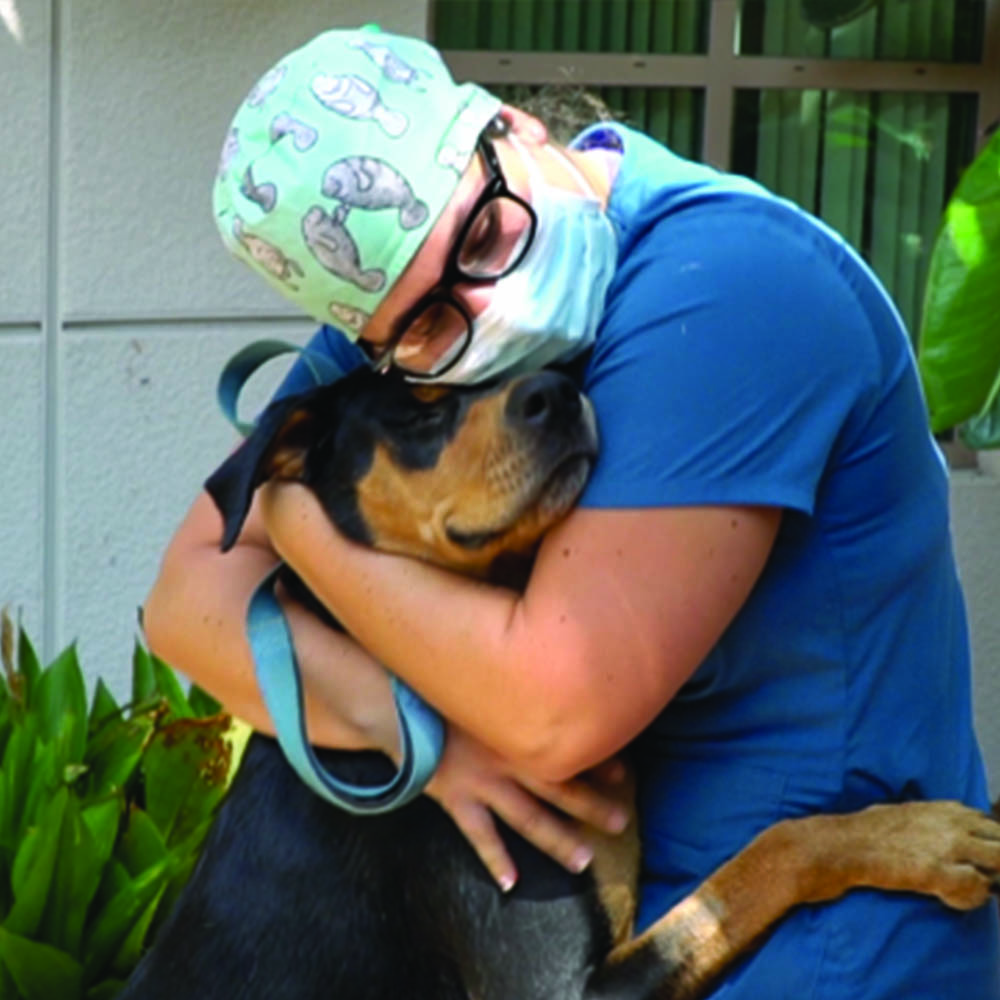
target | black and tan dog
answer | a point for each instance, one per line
(296, 899)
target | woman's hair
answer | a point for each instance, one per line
(566, 109)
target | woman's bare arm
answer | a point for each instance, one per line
(621, 608)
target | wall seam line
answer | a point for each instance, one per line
(52, 556)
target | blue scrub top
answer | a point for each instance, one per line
(748, 356)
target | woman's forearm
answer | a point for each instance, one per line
(559, 678)
(194, 619)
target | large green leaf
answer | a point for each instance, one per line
(113, 924)
(959, 346)
(34, 868)
(103, 819)
(134, 944)
(186, 769)
(79, 865)
(170, 687)
(141, 845)
(15, 775)
(28, 664)
(115, 751)
(61, 694)
(202, 703)
(143, 677)
(40, 971)
(104, 706)
(107, 989)
(44, 778)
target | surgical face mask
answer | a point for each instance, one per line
(549, 308)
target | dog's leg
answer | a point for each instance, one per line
(942, 849)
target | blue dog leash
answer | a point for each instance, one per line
(421, 730)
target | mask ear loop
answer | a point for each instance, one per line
(535, 172)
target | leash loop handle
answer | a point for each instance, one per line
(238, 369)
(421, 730)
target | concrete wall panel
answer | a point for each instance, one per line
(150, 91)
(976, 519)
(142, 432)
(21, 455)
(24, 125)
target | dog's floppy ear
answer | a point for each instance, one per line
(276, 449)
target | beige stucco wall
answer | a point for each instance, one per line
(117, 305)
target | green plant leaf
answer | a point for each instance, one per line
(78, 870)
(202, 703)
(44, 780)
(143, 677)
(103, 707)
(15, 775)
(168, 686)
(133, 946)
(185, 856)
(186, 769)
(114, 880)
(141, 845)
(959, 344)
(40, 971)
(983, 430)
(28, 664)
(103, 819)
(114, 753)
(7, 987)
(61, 694)
(107, 989)
(34, 867)
(113, 923)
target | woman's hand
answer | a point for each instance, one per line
(474, 785)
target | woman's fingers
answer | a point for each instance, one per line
(539, 825)
(597, 807)
(480, 830)
(474, 786)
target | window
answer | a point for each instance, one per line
(867, 124)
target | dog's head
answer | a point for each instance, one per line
(456, 476)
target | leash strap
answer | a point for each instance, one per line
(245, 362)
(421, 730)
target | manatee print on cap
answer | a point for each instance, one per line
(338, 163)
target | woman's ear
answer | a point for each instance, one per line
(526, 127)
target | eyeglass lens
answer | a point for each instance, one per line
(433, 340)
(495, 239)
(494, 244)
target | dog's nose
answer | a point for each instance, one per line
(542, 401)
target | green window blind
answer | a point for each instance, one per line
(664, 26)
(673, 116)
(876, 165)
(939, 30)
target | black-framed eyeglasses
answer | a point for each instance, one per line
(431, 336)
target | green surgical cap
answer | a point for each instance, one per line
(339, 162)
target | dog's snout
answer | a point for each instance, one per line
(543, 401)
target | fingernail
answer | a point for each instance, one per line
(580, 859)
(506, 882)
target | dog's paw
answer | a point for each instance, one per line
(944, 849)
